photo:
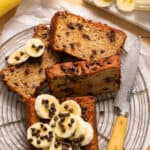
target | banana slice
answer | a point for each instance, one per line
(46, 106)
(65, 125)
(88, 135)
(18, 57)
(103, 3)
(80, 128)
(125, 5)
(35, 47)
(40, 135)
(71, 106)
(59, 145)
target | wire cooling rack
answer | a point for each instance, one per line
(12, 113)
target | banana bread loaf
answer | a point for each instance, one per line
(84, 39)
(87, 104)
(84, 77)
(26, 78)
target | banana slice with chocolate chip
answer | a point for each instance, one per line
(47, 106)
(71, 106)
(65, 125)
(40, 135)
(35, 47)
(18, 57)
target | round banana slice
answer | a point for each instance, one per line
(103, 3)
(80, 128)
(35, 47)
(59, 145)
(65, 125)
(18, 57)
(88, 135)
(71, 106)
(125, 5)
(46, 106)
(40, 135)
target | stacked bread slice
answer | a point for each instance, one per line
(94, 43)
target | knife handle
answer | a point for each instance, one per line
(118, 134)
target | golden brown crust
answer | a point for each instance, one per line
(88, 107)
(53, 30)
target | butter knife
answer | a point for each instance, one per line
(122, 100)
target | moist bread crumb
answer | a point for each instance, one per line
(84, 39)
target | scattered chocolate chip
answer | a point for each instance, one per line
(33, 46)
(40, 70)
(70, 26)
(17, 58)
(30, 140)
(21, 53)
(44, 128)
(111, 36)
(72, 45)
(107, 79)
(102, 51)
(67, 33)
(79, 25)
(105, 89)
(15, 83)
(12, 70)
(40, 46)
(27, 71)
(72, 120)
(71, 110)
(53, 125)
(85, 36)
(66, 106)
(6, 58)
(94, 52)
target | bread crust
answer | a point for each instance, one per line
(87, 104)
(54, 23)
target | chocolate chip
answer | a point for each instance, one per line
(33, 46)
(6, 58)
(72, 120)
(40, 46)
(111, 36)
(107, 79)
(71, 110)
(102, 51)
(55, 118)
(70, 125)
(105, 89)
(44, 128)
(79, 25)
(27, 71)
(66, 106)
(67, 33)
(17, 58)
(21, 53)
(40, 70)
(30, 140)
(85, 36)
(15, 83)
(72, 45)
(12, 70)
(70, 26)
(94, 52)
(53, 125)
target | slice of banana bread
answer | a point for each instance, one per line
(84, 77)
(84, 39)
(87, 104)
(26, 78)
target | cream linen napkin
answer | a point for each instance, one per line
(33, 12)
